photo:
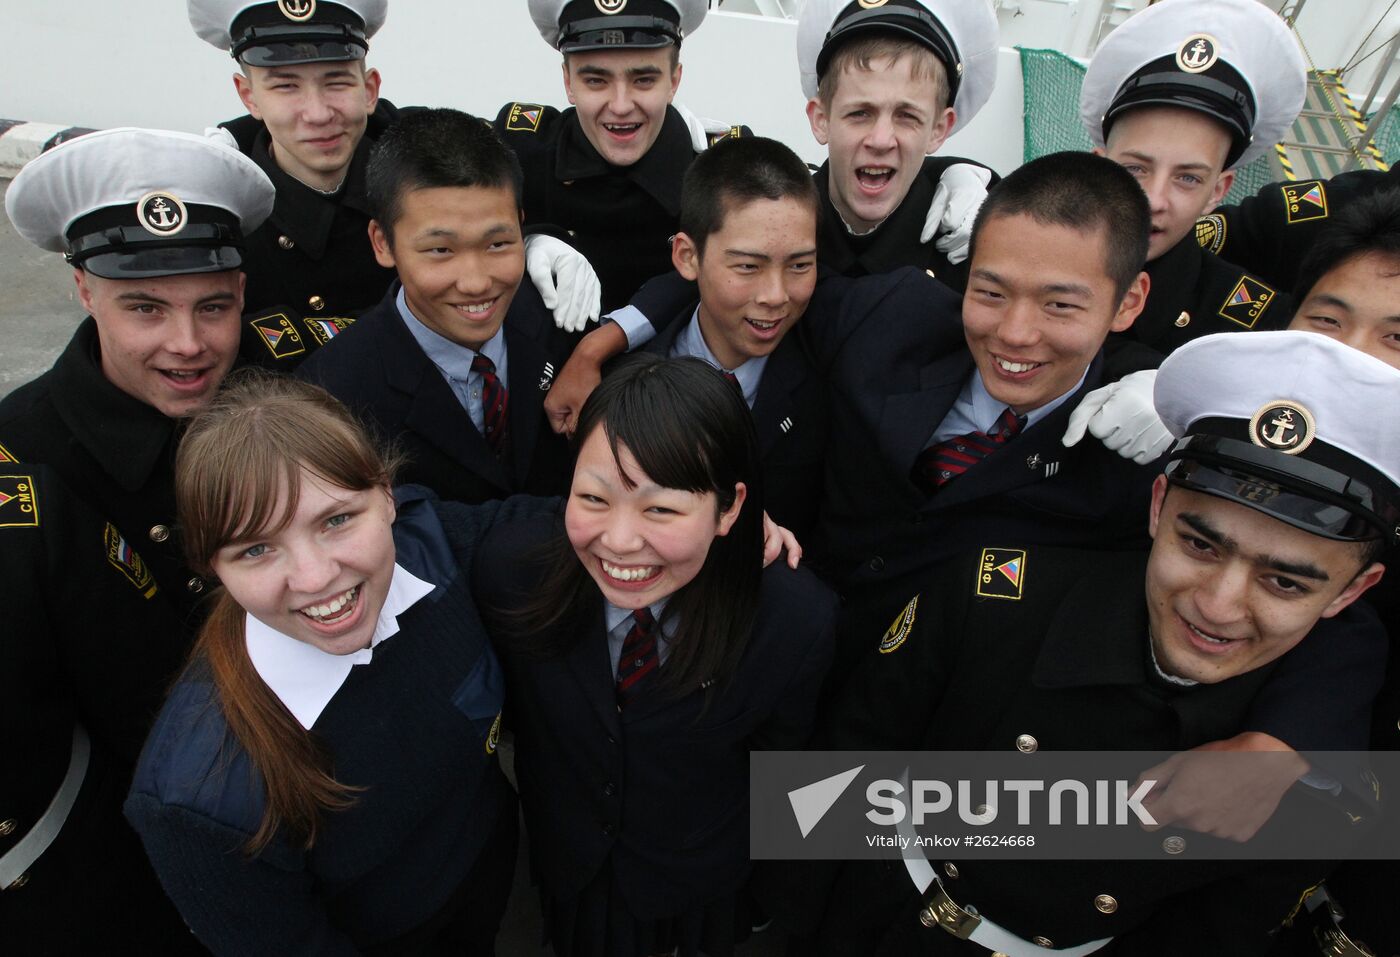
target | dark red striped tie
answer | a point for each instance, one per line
(638, 658)
(494, 403)
(939, 464)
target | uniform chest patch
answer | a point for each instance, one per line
(324, 330)
(524, 117)
(1305, 201)
(1246, 302)
(279, 335)
(1210, 232)
(899, 629)
(19, 502)
(6, 456)
(125, 560)
(1001, 573)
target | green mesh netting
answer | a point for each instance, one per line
(1052, 82)
(1251, 178)
(1388, 136)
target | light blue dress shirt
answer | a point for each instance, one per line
(455, 362)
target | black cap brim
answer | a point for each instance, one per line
(289, 54)
(154, 262)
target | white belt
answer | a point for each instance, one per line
(967, 923)
(18, 859)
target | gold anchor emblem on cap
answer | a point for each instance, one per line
(161, 213)
(1198, 53)
(298, 10)
(610, 6)
(1283, 426)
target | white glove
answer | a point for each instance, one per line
(701, 128)
(961, 191)
(567, 283)
(1122, 416)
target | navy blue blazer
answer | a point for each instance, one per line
(660, 789)
(789, 415)
(378, 369)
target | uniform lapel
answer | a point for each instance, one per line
(591, 666)
(773, 406)
(908, 419)
(531, 374)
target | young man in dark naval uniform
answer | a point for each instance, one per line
(314, 112)
(1161, 650)
(1180, 95)
(453, 363)
(100, 605)
(886, 86)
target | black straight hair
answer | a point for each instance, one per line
(1370, 224)
(736, 172)
(688, 428)
(1084, 192)
(429, 149)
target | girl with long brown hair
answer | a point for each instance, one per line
(323, 777)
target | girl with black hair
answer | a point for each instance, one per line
(647, 652)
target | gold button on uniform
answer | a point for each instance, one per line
(930, 274)
(18, 882)
(7, 827)
(317, 303)
(1105, 904)
(1026, 744)
(1174, 844)
(950, 869)
(1183, 320)
(928, 916)
(1042, 942)
(286, 242)
(195, 584)
(159, 533)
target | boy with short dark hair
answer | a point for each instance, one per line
(459, 353)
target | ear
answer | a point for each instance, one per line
(242, 290)
(568, 81)
(817, 118)
(1222, 186)
(942, 129)
(1364, 579)
(685, 256)
(372, 81)
(729, 516)
(244, 87)
(1098, 151)
(383, 249)
(675, 81)
(1132, 303)
(84, 290)
(1154, 512)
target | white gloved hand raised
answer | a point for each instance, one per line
(1122, 416)
(961, 190)
(567, 283)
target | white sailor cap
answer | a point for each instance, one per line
(573, 26)
(1234, 60)
(962, 33)
(1285, 423)
(288, 31)
(131, 204)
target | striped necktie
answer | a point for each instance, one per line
(944, 461)
(494, 403)
(638, 658)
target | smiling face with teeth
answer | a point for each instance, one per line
(621, 98)
(321, 578)
(460, 256)
(167, 341)
(878, 126)
(756, 275)
(1039, 304)
(1230, 589)
(639, 541)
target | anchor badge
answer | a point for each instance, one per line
(610, 6)
(1197, 54)
(161, 213)
(1282, 426)
(298, 10)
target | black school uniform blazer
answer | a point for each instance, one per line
(378, 369)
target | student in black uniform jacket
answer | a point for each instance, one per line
(1182, 120)
(323, 778)
(646, 654)
(456, 362)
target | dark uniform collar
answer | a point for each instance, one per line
(306, 215)
(659, 172)
(892, 244)
(128, 438)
